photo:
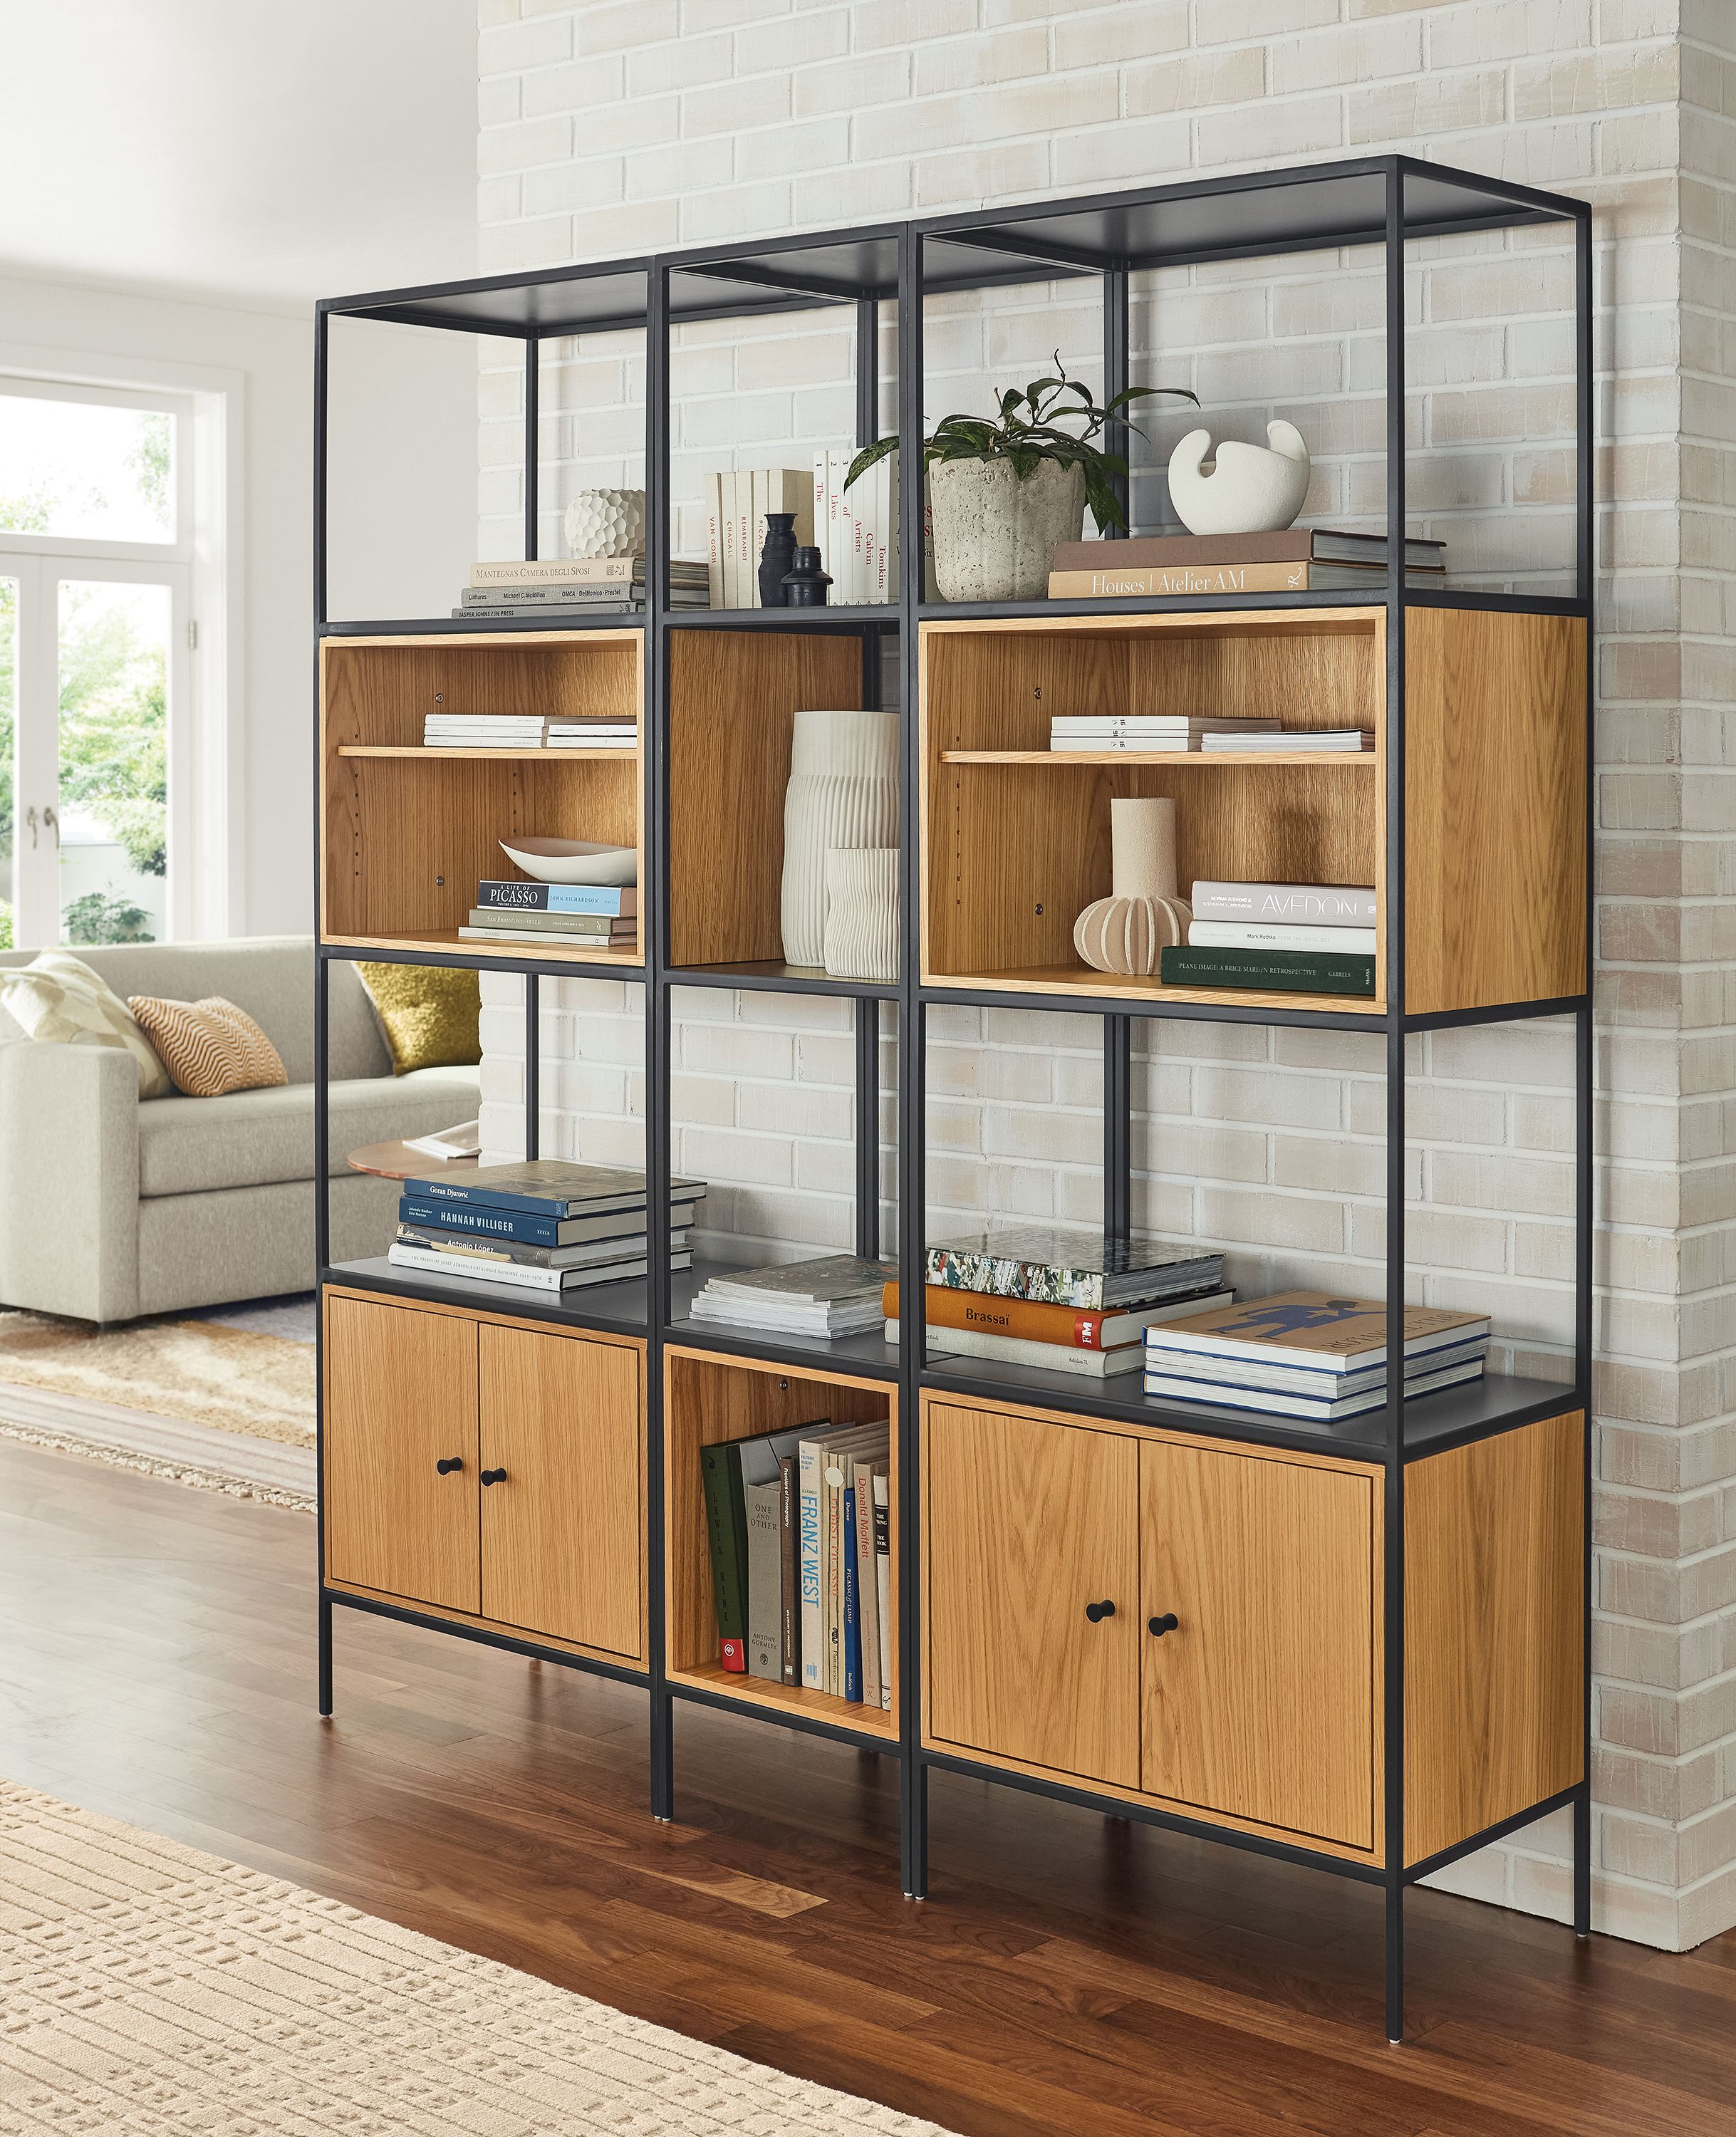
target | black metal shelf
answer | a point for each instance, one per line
(867, 616)
(774, 978)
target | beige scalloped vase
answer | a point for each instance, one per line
(1142, 915)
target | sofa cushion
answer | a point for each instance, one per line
(431, 1013)
(209, 1047)
(270, 977)
(257, 1138)
(58, 1000)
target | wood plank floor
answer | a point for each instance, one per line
(1070, 1975)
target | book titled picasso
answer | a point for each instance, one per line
(1064, 1266)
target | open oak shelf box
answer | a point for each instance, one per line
(1016, 840)
(708, 1400)
(408, 832)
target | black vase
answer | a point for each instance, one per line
(776, 554)
(805, 583)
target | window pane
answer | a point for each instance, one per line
(114, 806)
(74, 467)
(8, 729)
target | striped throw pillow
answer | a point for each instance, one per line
(209, 1047)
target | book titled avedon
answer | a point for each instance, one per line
(1304, 904)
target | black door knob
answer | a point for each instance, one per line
(493, 1477)
(452, 1463)
(1157, 1627)
(1097, 1611)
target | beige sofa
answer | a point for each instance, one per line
(112, 1206)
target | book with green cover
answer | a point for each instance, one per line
(726, 1528)
(1288, 972)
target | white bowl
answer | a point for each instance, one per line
(573, 861)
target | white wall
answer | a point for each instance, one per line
(399, 401)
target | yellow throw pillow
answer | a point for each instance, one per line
(59, 1001)
(431, 1013)
(209, 1047)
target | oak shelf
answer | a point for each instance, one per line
(584, 755)
(1170, 759)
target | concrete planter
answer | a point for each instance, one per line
(993, 535)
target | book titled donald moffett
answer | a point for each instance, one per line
(1063, 1265)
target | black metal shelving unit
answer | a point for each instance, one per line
(1385, 201)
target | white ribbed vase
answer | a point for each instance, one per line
(862, 914)
(1126, 931)
(842, 793)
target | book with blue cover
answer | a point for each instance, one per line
(478, 1220)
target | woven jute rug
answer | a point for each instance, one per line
(150, 1990)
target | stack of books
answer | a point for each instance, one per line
(855, 529)
(1309, 1355)
(545, 1226)
(568, 913)
(556, 589)
(1058, 1298)
(483, 730)
(1298, 559)
(1329, 738)
(1299, 937)
(1159, 731)
(838, 1295)
(799, 1525)
(591, 734)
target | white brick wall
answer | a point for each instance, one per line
(606, 128)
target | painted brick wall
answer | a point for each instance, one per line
(606, 128)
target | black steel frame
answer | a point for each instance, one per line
(1010, 255)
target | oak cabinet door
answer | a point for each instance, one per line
(1259, 1702)
(562, 1496)
(1026, 1525)
(400, 1403)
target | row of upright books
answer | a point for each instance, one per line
(525, 731)
(854, 529)
(1306, 938)
(545, 1226)
(559, 589)
(799, 1526)
(600, 916)
(1296, 560)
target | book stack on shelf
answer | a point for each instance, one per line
(854, 529)
(1163, 731)
(483, 730)
(543, 1226)
(1296, 561)
(1337, 739)
(838, 1295)
(1059, 1299)
(1305, 938)
(591, 734)
(559, 589)
(574, 915)
(1309, 1355)
(799, 1525)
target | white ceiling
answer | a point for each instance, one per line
(264, 151)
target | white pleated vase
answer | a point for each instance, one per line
(842, 794)
(862, 914)
(1128, 930)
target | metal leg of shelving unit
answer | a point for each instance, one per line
(867, 1129)
(325, 1656)
(663, 1756)
(1117, 1126)
(1583, 1860)
(532, 1065)
(1395, 1960)
(913, 1836)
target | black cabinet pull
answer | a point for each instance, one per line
(1157, 1627)
(1097, 1611)
(452, 1463)
(493, 1477)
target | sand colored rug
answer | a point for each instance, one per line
(149, 1991)
(226, 1402)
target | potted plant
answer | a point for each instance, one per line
(1003, 492)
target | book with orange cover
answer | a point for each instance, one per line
(1074, 1328)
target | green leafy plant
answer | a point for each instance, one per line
(96, 918)
(1029, 429)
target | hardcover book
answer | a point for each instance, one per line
(595, 899)
(1317, 1329)
(1157, 580)
(550, 1187)
(1028, 1320)
(1291, 545)
(1066, 1267)
(1287, 971)
(475, 1220)
(1306, 904)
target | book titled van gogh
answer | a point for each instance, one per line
(1063, 1265)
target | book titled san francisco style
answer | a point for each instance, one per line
(1064, 1266)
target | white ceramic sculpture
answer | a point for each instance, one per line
(1125, 932)
(606, 522)
(1247, 490)
(862, 914)
(994, 536)
(842, 793)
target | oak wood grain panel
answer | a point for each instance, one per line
(1494, 808)
(401, 1396)
(562, 1533)
(475, 1620)
(1494, 1567)
(707, 1400)
(1262, 1702)
(733, 697)
(1025, 1523)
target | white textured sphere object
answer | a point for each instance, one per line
(606, 522)
(1126, 934)
(1247, 490)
